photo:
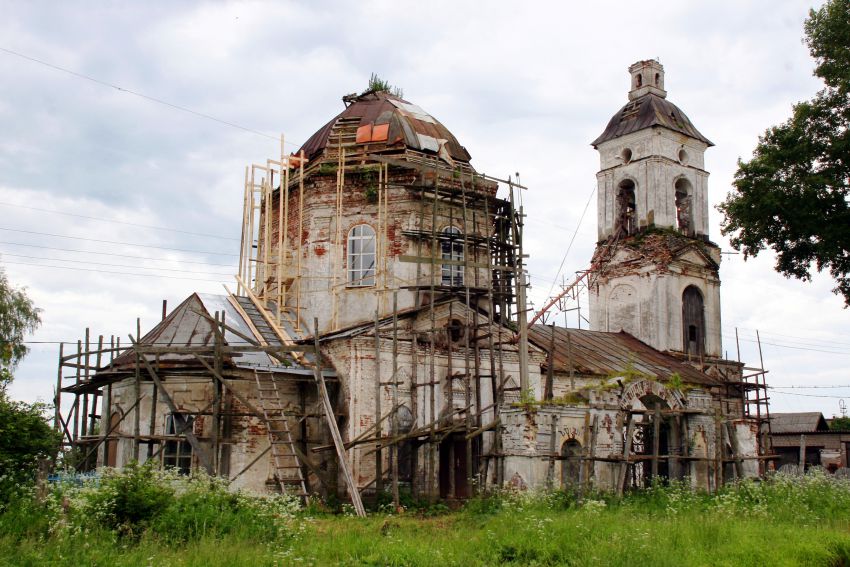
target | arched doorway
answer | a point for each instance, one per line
(570, 464)
(652, 442)
(648, 411)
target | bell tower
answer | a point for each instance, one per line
(661, 283)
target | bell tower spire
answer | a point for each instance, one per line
(662, 283)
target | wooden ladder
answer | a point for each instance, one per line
(287, 467)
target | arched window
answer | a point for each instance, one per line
(639, 81)
(626, 209)
(452, 247)
(693, 322)
(684, 221)
(570, 464)
(361, 256)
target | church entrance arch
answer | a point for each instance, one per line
(655, 443)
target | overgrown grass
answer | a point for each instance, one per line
(782, 521)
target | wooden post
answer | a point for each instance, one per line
(736, 451)
(718, 451)
(550, 473)
(57, 399)
(591, 462)
(802, 454)
(379, 458)
(627, 448)
(394, 422)
(656, 441)
(190, 435)
(75, 409)
(332, 425)
(84, 426)
(548, 393)
(137, 392)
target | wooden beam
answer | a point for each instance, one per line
(331, 419)
(190, 436)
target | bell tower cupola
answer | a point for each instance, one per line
(647, 77)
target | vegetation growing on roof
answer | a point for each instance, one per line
(379, 85)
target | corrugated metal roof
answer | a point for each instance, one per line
(598, 353)
(409, 126)
(800, 422)
(645, 112)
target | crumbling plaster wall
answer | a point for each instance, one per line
(528, 433)
(645, 300)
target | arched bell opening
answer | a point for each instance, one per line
(626, 208)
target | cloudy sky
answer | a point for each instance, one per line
(111, 202)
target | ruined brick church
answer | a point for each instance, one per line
(377, 337)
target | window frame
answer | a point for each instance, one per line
(177, 453)
(356, 274)
(452, 248)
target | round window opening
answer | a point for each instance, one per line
(683, 156)
(626, 155)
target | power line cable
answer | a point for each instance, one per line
(140, 95)
(114, 272)
(569, 247)
(119, 222)
(808, 395)
(806, 387)
(113, 254)
(120, 265)
(116, 242)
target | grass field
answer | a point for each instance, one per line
(785, 521)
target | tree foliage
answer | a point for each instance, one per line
(18, 317)
(794, 194)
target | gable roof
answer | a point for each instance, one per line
(188, 325)
(799, 422)
(646, 112)
(599, 353)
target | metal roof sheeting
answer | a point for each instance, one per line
(395, 122)
(801, 422)
(598, 353)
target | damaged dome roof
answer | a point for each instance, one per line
(385, 122)
(648, 111)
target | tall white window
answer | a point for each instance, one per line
(361, 256)
(452, 245)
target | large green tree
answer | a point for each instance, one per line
(794, 194)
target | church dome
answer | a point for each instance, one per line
(379, 122)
